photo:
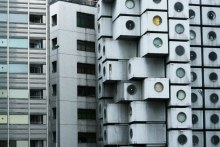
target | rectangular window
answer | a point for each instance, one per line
(86, 91)
(54, 111)
(18, 18)
(36, 68)
(36, 143)
(84, 68)
(54, 137)
(87, 46)
(89, 114)
(54, 20)
(20, 143)
(36, 119)
(36, 94)
(18, 93)
(54, 43)
(18, 119)
(36, 43)
(18, 43)
(3, 143)
(18, 68)
(54, 66)
(54, 90)
(3, 17)
(36, 18)
(86, 137)
(85, 20)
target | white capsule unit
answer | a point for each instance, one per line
(211, 57)
(105, 90)
(114, 71)
(144, 111)
(125, 7)
(128, 91)
(211, 36)
(198, 139)
(115, 135)
(146, 68)
(179, 29)
(103, 9)
(154, 21)
(212, 119)
(210, 16)
(178, 73)
(194, 15)
(211, 77)
(197, 98)
(179, 118)
(102, 103)
(180, 96)
(212, 99)
(212, 138)
(179, 51)
(138, 134)
(210, 2)
(156, 89)
(197, 119)
(195, 35)
(196, 56)
(179, 138)
(158, 5)
(115, 114)
(126, 27)
(153, 44)
(104, 27)
(196, 77)
(178, 8)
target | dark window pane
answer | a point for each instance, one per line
(86, 137)
(85, 20)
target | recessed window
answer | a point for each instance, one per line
(195, 140)
(131, 133)
(36, 93)
(54, 20)
(193, 76)
(157, 20)
(212, 56)
(192, 14)
(36, 68)
(179, 28)
(157, 42)
(54, 137)
(181, 117)
(54, 43)
(212, 36)
(180, 72)
(215, 140)
(85, 20)
(194, 119)
(181, 95)
(130, 4)
(194, 97)
(36, 119)
(36, 143)
(214, 119)
(54, 66)
(3, 143)
(193, 55)
(158, 87)
(211, 15)
(54, 113)
(178, 7)
(214, 98)
(36, 43)
(36, 18)
(192, 35)
(131, 89)
(84, 68)
(86, 46)
(86, 114)
(54, 90)
(213, 77)
(182, 139)
(180, 50)
(157, 1)
(87, 91)
(130, 25)
(87, 137)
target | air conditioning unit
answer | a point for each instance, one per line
(105, 90)
(146, 68)
(155, 89)
(3, 68)
(194, 15)
(128, 91)
(154, 21)
(179, 51)
(118, 49)
(126, 27)
(179, 118)
(212, 138)
(115, 114)
(178, 73)
(198, 139)
(197, 98)
(104, 27)
(210, 16)
(211, 77)
(115, 135)
(104, 9)
(212, 99)
(179, 29)
(196, 77)
(197, 119)
(178, 9)
(180, 96)
(210, 36)
(179, 138)
(114, 71)
(196, 56)
(125, 7)
(149, 134)
(144, 111)
(153, 44)
(158, 5)
(102, 103)
(212, 119)
(210, 56)
(212, 2)
(195, 35)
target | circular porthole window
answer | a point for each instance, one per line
(179, 28)
(104, 113)
(192, 35)
(99, 48)
(129, 4)
(100, 89)
(131, 89)
(214, 98)
(130, 25)
(213, 77)
(180, 72)
(180, 50)
(181, 95)
(157, 1)
(194, 97)
(98, 28)
(182, 139)
(211, 15)
(158, 87)
(192, 14)
(195, 140)
(157, 20)
(193, 76)
(178, 7)
(99, 68)
(214, 119)
(193, 55)
(157, 42)
(100, 108)
(105, 135)
(103, 50)
(212, 36)
(212, 56)
(130, 110)
(215, 140)
(104, 70)
(129, 68)
(98, 8)
(194, 119)
(181, 117)
(131, 133)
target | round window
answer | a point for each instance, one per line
(131, 89)
(180, 72)
(130, 25)
(192, 14)
(100, 108)
(129, 68)
(181, 117)
(192, 35)
(157, 1)
(178, 7)
(129, 4)
(104, 71)
(213, 77)
(157, 20)
(193, 76)
(179, 28)
(214, 119)
(193, 55)
(130, 110)
(100, 89)
(214, 98)
(182, 139)
(211, 15)
(212, 36)
(104, 113)
(99, 48)
(98, 28)
(195, 140)
(99, 68)
(215, 140)
(194, 97)
(158, 87)
(181, 95)
(180, 50)
(103, 50)
(131, 133)
(212, 56)
(157, 42)
(194, 119)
